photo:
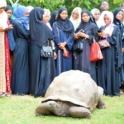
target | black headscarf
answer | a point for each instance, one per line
(8, 8)
(86, 25)
(65, 25)
(53, 17)
(116, 21)
(39, 31)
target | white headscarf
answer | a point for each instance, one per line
(109, 28)
(3, 15)
(47, 11)
(93, 13)
(94, 10)
(101, 22)
(78, 20)
(3, 3)
(30, 8)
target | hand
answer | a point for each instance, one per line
(10, 27)
(55, 55)
(62, 45)
(1, 29)
(65, 52)
(122, 49)
(99, 34)
(104, 33)
(76, 36)
(48, 40)
(81, 34)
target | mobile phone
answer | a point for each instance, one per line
(99, 31)
(81, 30)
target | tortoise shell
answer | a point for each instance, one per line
(75, 87)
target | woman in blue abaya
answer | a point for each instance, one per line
(20, 77)
(63, 32)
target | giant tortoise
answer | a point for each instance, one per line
(72, 93)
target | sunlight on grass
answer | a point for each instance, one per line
(20, 110)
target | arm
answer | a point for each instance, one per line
(1, 29)
(19, 31)
(93, 35)
(70, 42)
(89, 35)
(114, 36)
(56, 34)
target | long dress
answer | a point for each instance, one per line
(2, 64)
(106, 68)
(20, 77)
(42, 70)
(5, 65)
(82, 59)
(120, 58)
(120, 66)
(8, 69)
(62, 64)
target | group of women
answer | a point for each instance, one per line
(26, 32)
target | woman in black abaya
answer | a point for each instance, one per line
(86, 31)
(42, 71)
(118, 15)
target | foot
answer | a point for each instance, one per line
(3, 94)
(101, 104)
(121, 91)
(42, 109)
(79, 112)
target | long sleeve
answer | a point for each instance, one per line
(19, 31)
(114, 37)
(70, 42)
(56, 34)
(11, 40)
(93, 34)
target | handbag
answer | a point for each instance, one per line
(103, 43)
(95, 52)
(78, 47)
(46, 51)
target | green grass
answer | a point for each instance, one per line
(20, 110)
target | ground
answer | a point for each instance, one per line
(20, 110)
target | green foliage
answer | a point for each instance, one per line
(70, 4)
(84, 4)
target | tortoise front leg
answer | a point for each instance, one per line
(101, 104)
(42, 109)
(79, 112)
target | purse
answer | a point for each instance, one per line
(78, 47)
(95, 52)
(103, 43)
(46, 51)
